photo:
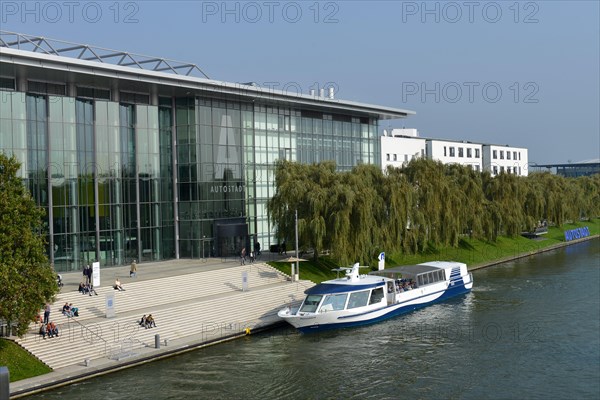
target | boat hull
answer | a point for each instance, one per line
(316, 323)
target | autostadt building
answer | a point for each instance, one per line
(136, 158)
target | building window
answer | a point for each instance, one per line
(387, 157)
(451, 151)
(395, 157)
(406, 158)
(519, 156)
(477, 167)
(460, 152)
(502, 154)
(502, 169)
(469, 152)
(495, 170)
(494, 154)
(514, 155)
(476, 153)
(508, 155)
(508, 170)
(445, 151)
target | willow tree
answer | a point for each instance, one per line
(507, 192)
(26, 279)
(398, 198)
(432, 205)
(535, 202)
(589, 204)
(367, 215)
(303, 188)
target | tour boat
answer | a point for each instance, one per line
(364, 299)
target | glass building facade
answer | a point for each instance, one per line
(157, 174)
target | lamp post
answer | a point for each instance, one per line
(297, 264)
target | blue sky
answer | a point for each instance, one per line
(520, 73)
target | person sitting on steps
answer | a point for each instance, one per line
(150, 322)
(43, 330)
(90, 289)
(133, 270)
(143, 321)
(118, 285)
(52, 329)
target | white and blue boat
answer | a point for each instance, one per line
(357, 299)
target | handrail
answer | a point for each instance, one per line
(88, 329)
(70, 318)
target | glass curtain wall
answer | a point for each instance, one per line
(210, 177)
(103, 170)
(64, 173)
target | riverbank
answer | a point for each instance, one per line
(475, 253)
(196, 303)
(469, 250)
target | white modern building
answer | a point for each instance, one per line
(399, 146)
(503, 158)
(449, 152)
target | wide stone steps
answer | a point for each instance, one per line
(180, 288)
(180, 312)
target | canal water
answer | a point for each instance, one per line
(530, 329)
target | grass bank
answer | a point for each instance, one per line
(20, 363)
(470, 251)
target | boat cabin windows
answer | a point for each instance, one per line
(430, 277)
(358, 299)
(310, 303)
(376, 296)
(334, 302)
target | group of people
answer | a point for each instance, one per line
(70, 310)
(148, 321)
(252, 256)
(405, 284)
(87, 288)
(243, 256)
(50, 329)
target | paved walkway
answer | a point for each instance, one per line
(194, 303)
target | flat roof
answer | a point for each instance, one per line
(69, 69)
(585, 163)
(407, 269)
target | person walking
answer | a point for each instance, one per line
(133, 270)
(243, 256)
(257, 249)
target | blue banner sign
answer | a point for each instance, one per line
(577, 233)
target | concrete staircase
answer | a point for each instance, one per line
(197, 307)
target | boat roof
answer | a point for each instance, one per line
(417, 269)
(406, 269)
(329, 288)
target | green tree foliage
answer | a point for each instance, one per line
(27, 281)
(359, 213)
